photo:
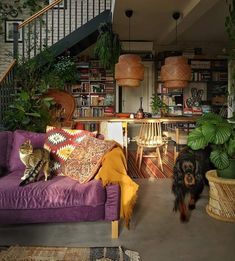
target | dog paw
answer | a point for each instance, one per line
(183, 218)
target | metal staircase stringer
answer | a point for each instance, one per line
(81, 38)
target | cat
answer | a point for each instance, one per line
(34, 160)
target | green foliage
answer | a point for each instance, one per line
(157, 104)
(30, 111)
(63, 72)
(215, 131)
(108, 46)
(230, 20)
(16, 7)
(30, 107)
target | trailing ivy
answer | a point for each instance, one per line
(11, 9)
(108, 46)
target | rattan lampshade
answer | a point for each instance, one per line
(176, 73)
(129, 70)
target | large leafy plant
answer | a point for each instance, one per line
(214, 131)
(30, 109)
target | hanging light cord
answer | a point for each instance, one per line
(176, 32)
(129, 34)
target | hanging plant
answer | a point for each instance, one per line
(230, 20)
(108, 46)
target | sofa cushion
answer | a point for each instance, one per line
(60, 142)
(5, 148)
(19, 136)
(59, 192)
(84, 162)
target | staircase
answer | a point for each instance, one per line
(70, 25)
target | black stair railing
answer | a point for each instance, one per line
(6, 90)
(42, 30)
(53, 23)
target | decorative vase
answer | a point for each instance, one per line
(221, 197)
(129, 70)
(140, 112)
(176, 72)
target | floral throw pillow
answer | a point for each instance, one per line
(84, 162)
(60, 142)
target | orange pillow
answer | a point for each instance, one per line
(60, 142)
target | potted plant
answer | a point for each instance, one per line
(158, 107)
(218, 133)
(108, 46)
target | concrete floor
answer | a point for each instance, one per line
(156, 232)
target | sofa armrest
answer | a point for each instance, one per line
(112, 205)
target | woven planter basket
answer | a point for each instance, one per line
(221, 197)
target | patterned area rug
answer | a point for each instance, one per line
(150, 166)
(19, 253)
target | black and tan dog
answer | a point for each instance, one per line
(189, 178)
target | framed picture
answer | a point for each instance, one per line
(62, 5)
(9, 37)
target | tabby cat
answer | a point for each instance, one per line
(34, 160)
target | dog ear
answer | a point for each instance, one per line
(177, 170)
(198, 170)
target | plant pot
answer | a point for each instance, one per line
(221, 197)
(156, 115)
(229, 172)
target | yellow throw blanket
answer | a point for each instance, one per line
(113, 170)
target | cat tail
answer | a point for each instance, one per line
(32, 174)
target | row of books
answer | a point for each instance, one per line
(87, 87)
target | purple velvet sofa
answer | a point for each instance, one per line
(60, 199)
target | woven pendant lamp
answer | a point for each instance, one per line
(176, 73)
(129, 70)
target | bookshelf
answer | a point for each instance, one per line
(209, 79)
(94, 91)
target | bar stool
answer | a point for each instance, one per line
(150, 136)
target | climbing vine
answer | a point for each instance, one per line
(12, 9)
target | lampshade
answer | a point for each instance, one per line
(129, 70)
(176, 73)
